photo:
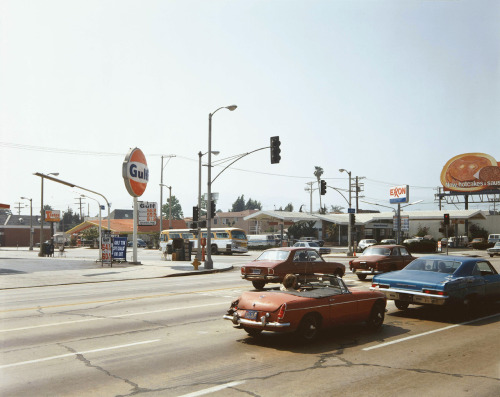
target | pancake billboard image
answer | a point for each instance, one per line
(471, 172)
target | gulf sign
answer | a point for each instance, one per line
(399, 194)
(135, 172)
(52, 216)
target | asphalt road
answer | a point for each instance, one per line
(166, 337)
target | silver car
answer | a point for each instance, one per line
(495, 250)
(366, 243)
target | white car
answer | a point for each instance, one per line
(366, 243)
(495, 250)
(307, 244)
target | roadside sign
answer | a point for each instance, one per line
(135, 172)
(106, 247)
(399, 194)
(120, 248)
(147, 213)
(351, 210)
(52, 216)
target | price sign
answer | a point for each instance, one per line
(147, 213)
(106, 246)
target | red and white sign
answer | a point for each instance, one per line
(135, 172)
(399, 194)
(52, 216)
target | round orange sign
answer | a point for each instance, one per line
(135, 172)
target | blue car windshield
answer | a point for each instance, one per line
(434, 265)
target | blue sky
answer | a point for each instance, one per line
(389, 90)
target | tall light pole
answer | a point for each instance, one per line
(169, 156)
(208, 263)
(200, 155)
(349, 230)
(31, 221)
(42, 211)
(70, 185)
(100, 225)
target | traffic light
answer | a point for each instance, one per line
(323, 187)
(446, 219)
(195, 214)
(275, 149)
(352, 219)
(212, 208)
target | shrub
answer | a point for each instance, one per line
(422, 246)
(482, 246)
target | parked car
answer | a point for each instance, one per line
(315, 246)
(322, 301)
(378, 259)
(493, 238)
(388, 241)
(440, 280)
(495, 250)
(365, 243)
(140, 243)
(273, 264)
(444, 242)
(313, 240)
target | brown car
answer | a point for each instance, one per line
(273, 264)
(378, 259)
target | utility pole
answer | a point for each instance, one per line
(169, 157)
(18, 206)
(310, 190)
(80, 205)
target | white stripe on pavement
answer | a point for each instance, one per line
(213, 389)
(428, 333)
(76, 353)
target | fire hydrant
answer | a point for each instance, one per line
(196, 263)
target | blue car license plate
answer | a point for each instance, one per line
(406, 297)
(251, 314)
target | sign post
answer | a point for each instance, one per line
(398, 195)
(135, 174)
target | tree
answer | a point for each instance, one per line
(176, 209)
(92, 233)
(289, 207)
(318, 171)
(302, 229)
(336, 209)
(239, 204)
(253, 205)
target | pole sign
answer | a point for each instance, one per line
(52, 216)
(405, 223)
(120, 248)
(147, 213)
(399, 194)
(106, 247)
(135, 172)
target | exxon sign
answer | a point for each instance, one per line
(135, 172)
(399, 194)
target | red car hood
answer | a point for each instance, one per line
(265, 301)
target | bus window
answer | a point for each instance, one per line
(222, 235)
(238, 234)
(204, 234)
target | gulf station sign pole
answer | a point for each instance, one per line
(135, 174)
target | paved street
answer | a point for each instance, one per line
(139, 331)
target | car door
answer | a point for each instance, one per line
(491, 279)
(344, 307)
(299, 262)
(405, 257)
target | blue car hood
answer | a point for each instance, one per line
(413, 279)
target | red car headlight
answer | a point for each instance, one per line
(270, 271)
(243, 270)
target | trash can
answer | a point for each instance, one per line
(178, 249)
(188, 248)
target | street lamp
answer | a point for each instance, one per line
(42, 211)
(349, 226)
(100, 227)
(200, 155)
(208, 263)
(31, 221)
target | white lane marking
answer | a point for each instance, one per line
(76, 353)
(213, 389)
(107, 318)
(428, 333)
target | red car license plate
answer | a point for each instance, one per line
(255, 271)
(251, 314)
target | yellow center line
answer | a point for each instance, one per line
(119, 300)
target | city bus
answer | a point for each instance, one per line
(224, 239)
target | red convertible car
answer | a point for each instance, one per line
(323, 301)
(274, 264)
(378, 259)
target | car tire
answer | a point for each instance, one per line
(361, 276)
(308, 329)
(401, 305)
(253, 332)
(258, 284)
(214, 250)
(377, 315)
(339, 273)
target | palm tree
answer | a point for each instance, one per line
(318, 171)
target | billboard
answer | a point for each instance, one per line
(471, 172)
(135, 172)
(52, 216)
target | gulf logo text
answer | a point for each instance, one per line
(138, 172)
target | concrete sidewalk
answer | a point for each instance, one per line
(87, 270)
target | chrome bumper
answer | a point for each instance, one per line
(366, 271)
(260, 277)
(237, 320)
(418, 298)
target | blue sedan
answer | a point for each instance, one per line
(440, 280)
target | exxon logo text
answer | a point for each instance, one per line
(398, 191)
(138, 172)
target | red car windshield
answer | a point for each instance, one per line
(376, 251)
(273, 255)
